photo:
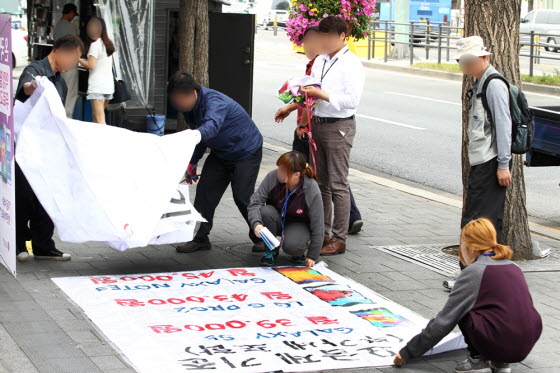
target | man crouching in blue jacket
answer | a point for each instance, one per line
(236, 151)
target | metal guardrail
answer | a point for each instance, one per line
(442, 36)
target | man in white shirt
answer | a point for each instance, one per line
(62, 28)
(334, 126)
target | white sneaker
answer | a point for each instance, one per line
(23, 256)
(448, 284)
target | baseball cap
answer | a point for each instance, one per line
(70, 8)
(470, 47)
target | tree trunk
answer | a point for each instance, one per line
(401, 49)
(497, 23)
(193, 43)
(531, 4)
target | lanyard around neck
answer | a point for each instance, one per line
(285, 206)
(323, 72)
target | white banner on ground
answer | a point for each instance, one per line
(7, 190)
(102, 183)
(247, 320)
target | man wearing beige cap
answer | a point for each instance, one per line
(489, 131)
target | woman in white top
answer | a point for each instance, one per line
(99, 61)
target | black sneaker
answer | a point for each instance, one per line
(191, 247)
(355, 227)
(52, 254)
(500, 367)
(259, 247)
(299, 260)
(268, 258)
(473, 365)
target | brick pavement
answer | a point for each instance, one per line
(42, 331)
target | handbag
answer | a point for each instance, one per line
(121, 93)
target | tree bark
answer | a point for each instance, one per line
(193, 43)
(497, 22)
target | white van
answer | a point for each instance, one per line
(542, 21)
(267, 10)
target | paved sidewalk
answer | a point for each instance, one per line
(42, 331)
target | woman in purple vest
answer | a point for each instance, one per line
(491, 304)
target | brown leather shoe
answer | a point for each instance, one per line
(334, 248)
(326, 241)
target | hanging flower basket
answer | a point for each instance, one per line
(308, 13)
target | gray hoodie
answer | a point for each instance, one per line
(305, 206)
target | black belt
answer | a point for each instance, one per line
(331, 120)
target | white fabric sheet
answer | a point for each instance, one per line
(102, 183)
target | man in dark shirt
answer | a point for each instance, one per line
(32, 221)
(236, 151)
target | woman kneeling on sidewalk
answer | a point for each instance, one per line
(289, 204)
(491, 304)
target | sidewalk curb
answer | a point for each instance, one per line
(457, 203)
(527, 87)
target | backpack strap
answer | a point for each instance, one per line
(482, 93)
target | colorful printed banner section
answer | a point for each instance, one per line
(7, 186)
(247, 320)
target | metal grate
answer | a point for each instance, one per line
(432, 257)
(428, 256)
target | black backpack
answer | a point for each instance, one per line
(522, 117)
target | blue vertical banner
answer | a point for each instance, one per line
(7, 189)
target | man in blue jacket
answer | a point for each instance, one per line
(236, 151)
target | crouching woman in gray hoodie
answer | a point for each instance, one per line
(289, 204)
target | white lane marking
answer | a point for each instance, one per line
(391, 122)
(424, 98)
(442, 80)
(411, 74)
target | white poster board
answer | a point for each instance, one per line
(7, 188)
(247, 320)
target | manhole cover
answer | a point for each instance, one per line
(428, 256)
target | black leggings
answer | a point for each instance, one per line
(296, 235)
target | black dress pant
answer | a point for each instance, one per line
(465, 325)
(302, 146)
(485, 196)
(216, 175)
(32, 221)
(296, 234)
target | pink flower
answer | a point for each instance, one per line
(325, 15)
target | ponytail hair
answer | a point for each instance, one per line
(502, 252)
(309, 172)
(293, 162)
(480, 235)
